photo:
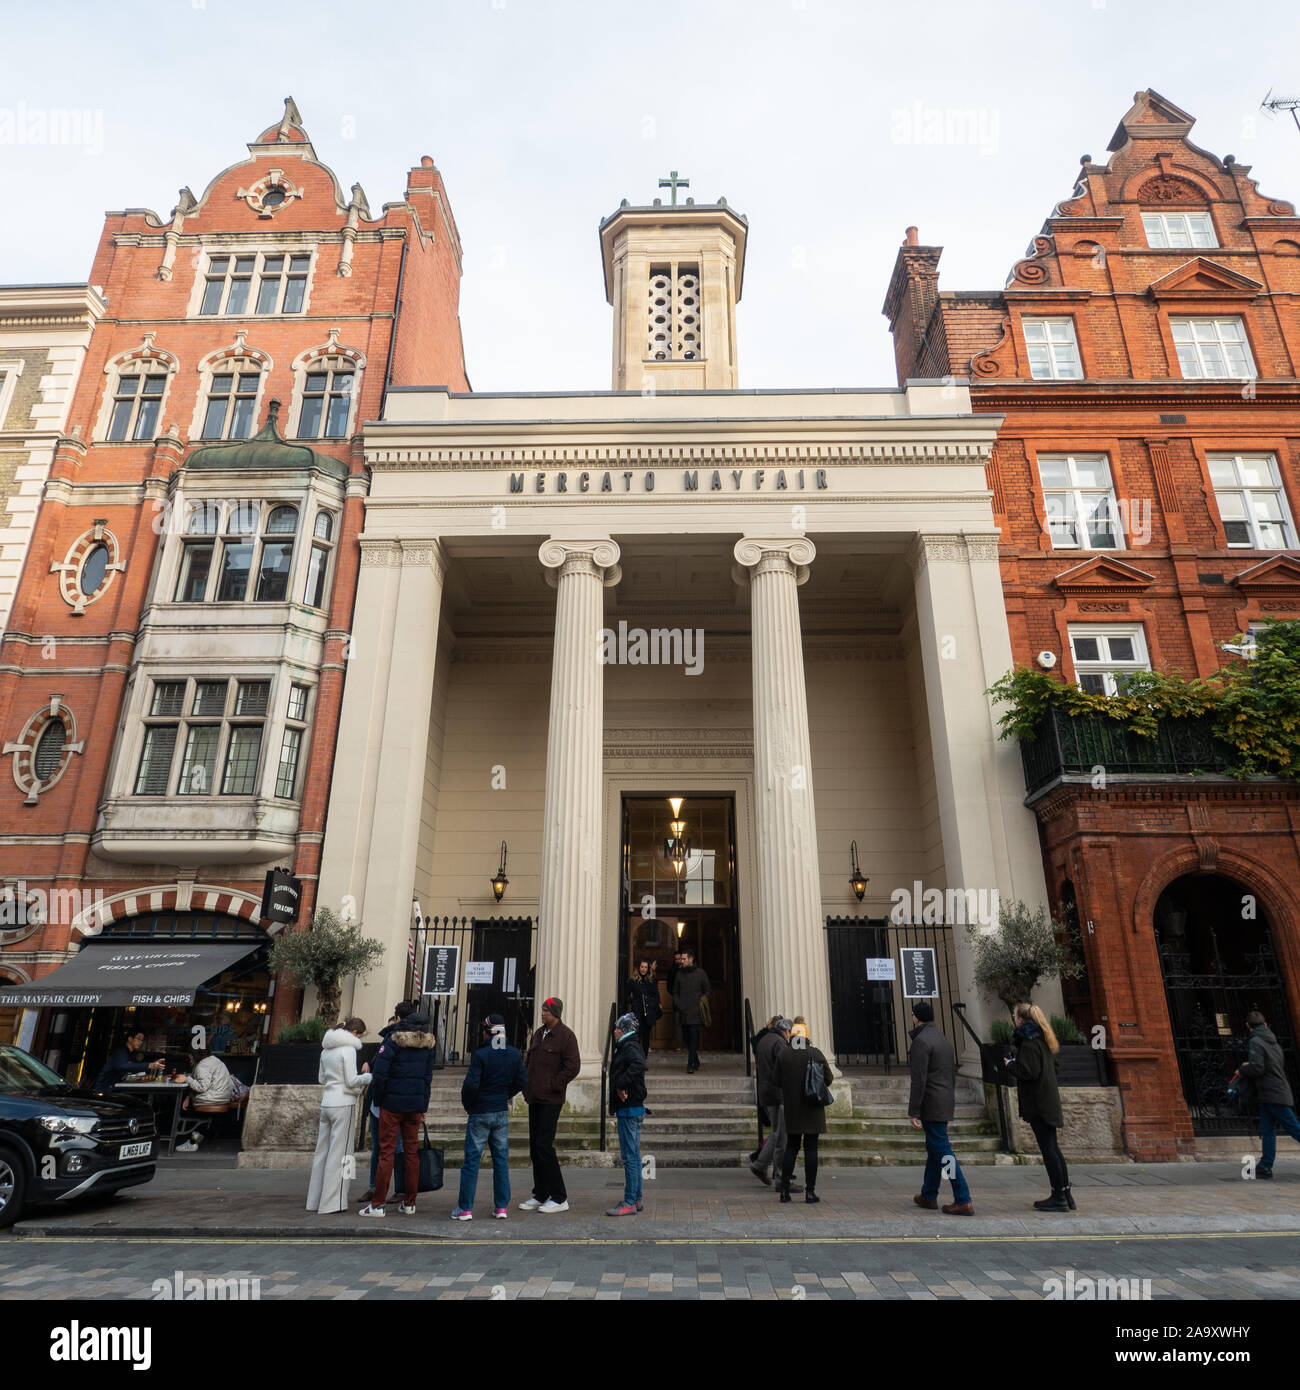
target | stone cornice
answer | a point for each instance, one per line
(614, 455)
(705, 744)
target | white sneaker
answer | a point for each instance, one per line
(548, 1207)
(370, 1210)
(190, 1148)
(530, 1205)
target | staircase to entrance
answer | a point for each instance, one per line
(708, 1120)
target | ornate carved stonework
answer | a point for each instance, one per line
(983, 363)
(1032, 270)
(704, 744)
(1166, 191)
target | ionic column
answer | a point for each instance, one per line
(792, 937)
(569, 906)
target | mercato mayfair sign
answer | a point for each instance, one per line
(714, 480)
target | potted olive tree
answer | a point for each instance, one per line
(1025, 949)
(324, 956)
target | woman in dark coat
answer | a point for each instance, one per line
(643, 1001)
(1034, 1068)
(804, 1120)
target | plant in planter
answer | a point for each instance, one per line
(325, 955)
(1066, 1030)
(1001, 1033)
(1026, 948)
(306, 1030)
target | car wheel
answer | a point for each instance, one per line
(13, 1187)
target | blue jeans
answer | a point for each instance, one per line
(937, 1148)
(374, 1151)
(1273, 1117)
(493, 1130)
(629, 1142)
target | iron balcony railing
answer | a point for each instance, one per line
(1086, 745)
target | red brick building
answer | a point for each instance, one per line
(171, 676)
(1146, 480)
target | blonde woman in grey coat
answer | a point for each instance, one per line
(328, 1189)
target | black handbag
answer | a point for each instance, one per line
(430, 1165)
(815, 1089)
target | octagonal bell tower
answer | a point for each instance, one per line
(674, 276)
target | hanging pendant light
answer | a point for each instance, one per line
(857, 880)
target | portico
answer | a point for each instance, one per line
(783, 602)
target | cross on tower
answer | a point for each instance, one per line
(673, 182)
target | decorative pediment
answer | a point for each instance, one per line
(1203, 279)
(1278, 574)
(1103, 574)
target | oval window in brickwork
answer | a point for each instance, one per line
(49, 750)
(93, 569)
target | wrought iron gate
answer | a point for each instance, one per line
(870, 1018)
(1208, 1011)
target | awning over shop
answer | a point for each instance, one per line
(146, 972)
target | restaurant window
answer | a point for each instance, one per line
(217, 722)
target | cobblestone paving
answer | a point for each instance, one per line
(1179, 1268)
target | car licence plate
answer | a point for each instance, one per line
(135, 1151)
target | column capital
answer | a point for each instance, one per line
(784, 554)
(380, 554)
(929, 547)
(596, 556)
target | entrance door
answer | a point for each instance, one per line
(1219, 965)
(507, 943)
(683, 901)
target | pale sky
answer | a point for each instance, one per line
(809, 116)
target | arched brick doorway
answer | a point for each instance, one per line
(1218, 961)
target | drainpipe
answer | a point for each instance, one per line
(392, 337)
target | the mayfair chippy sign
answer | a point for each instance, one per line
(687, 480)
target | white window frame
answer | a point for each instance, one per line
(1247, 493)
(1108, 668)
(1061, 354)
(258, 272)
(235, 369)
(226, 720)
(1191, 347)
(141, 363)
(294, 724)
(1164, 226)
(331, 366)
(198, 531)
(1075, 494)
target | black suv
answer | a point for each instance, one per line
(57, 1143)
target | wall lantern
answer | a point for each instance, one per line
(499, 879)
(857, 880)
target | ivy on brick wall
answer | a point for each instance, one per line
(1253, 703)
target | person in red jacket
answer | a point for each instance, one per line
(552, 1062)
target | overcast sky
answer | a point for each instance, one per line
(813, 117)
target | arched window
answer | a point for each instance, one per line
(328, 386)
(134, 395)
(231, 401)
(49, 750)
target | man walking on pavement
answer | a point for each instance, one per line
(496, 1073)
(933, 1062)
(553, 1061)
(1265, 1069)
(627, 1105)
(771, 1046)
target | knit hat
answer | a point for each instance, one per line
(494, 1023)
(783, 1024)
(923, 1009)
(554, 1006)
(628, 1023)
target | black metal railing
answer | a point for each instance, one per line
(459, 999)
(751, 1067)
(986, 1061)
(869, 1015)
(604, 1070)
(1083, 745)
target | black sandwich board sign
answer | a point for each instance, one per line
(441, 969)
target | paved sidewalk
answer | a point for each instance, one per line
(695, 1204)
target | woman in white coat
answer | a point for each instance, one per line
(328, 1190)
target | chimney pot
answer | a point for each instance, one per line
(911, 238)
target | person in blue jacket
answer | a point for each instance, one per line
(403, 1075)
(496, 1072)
